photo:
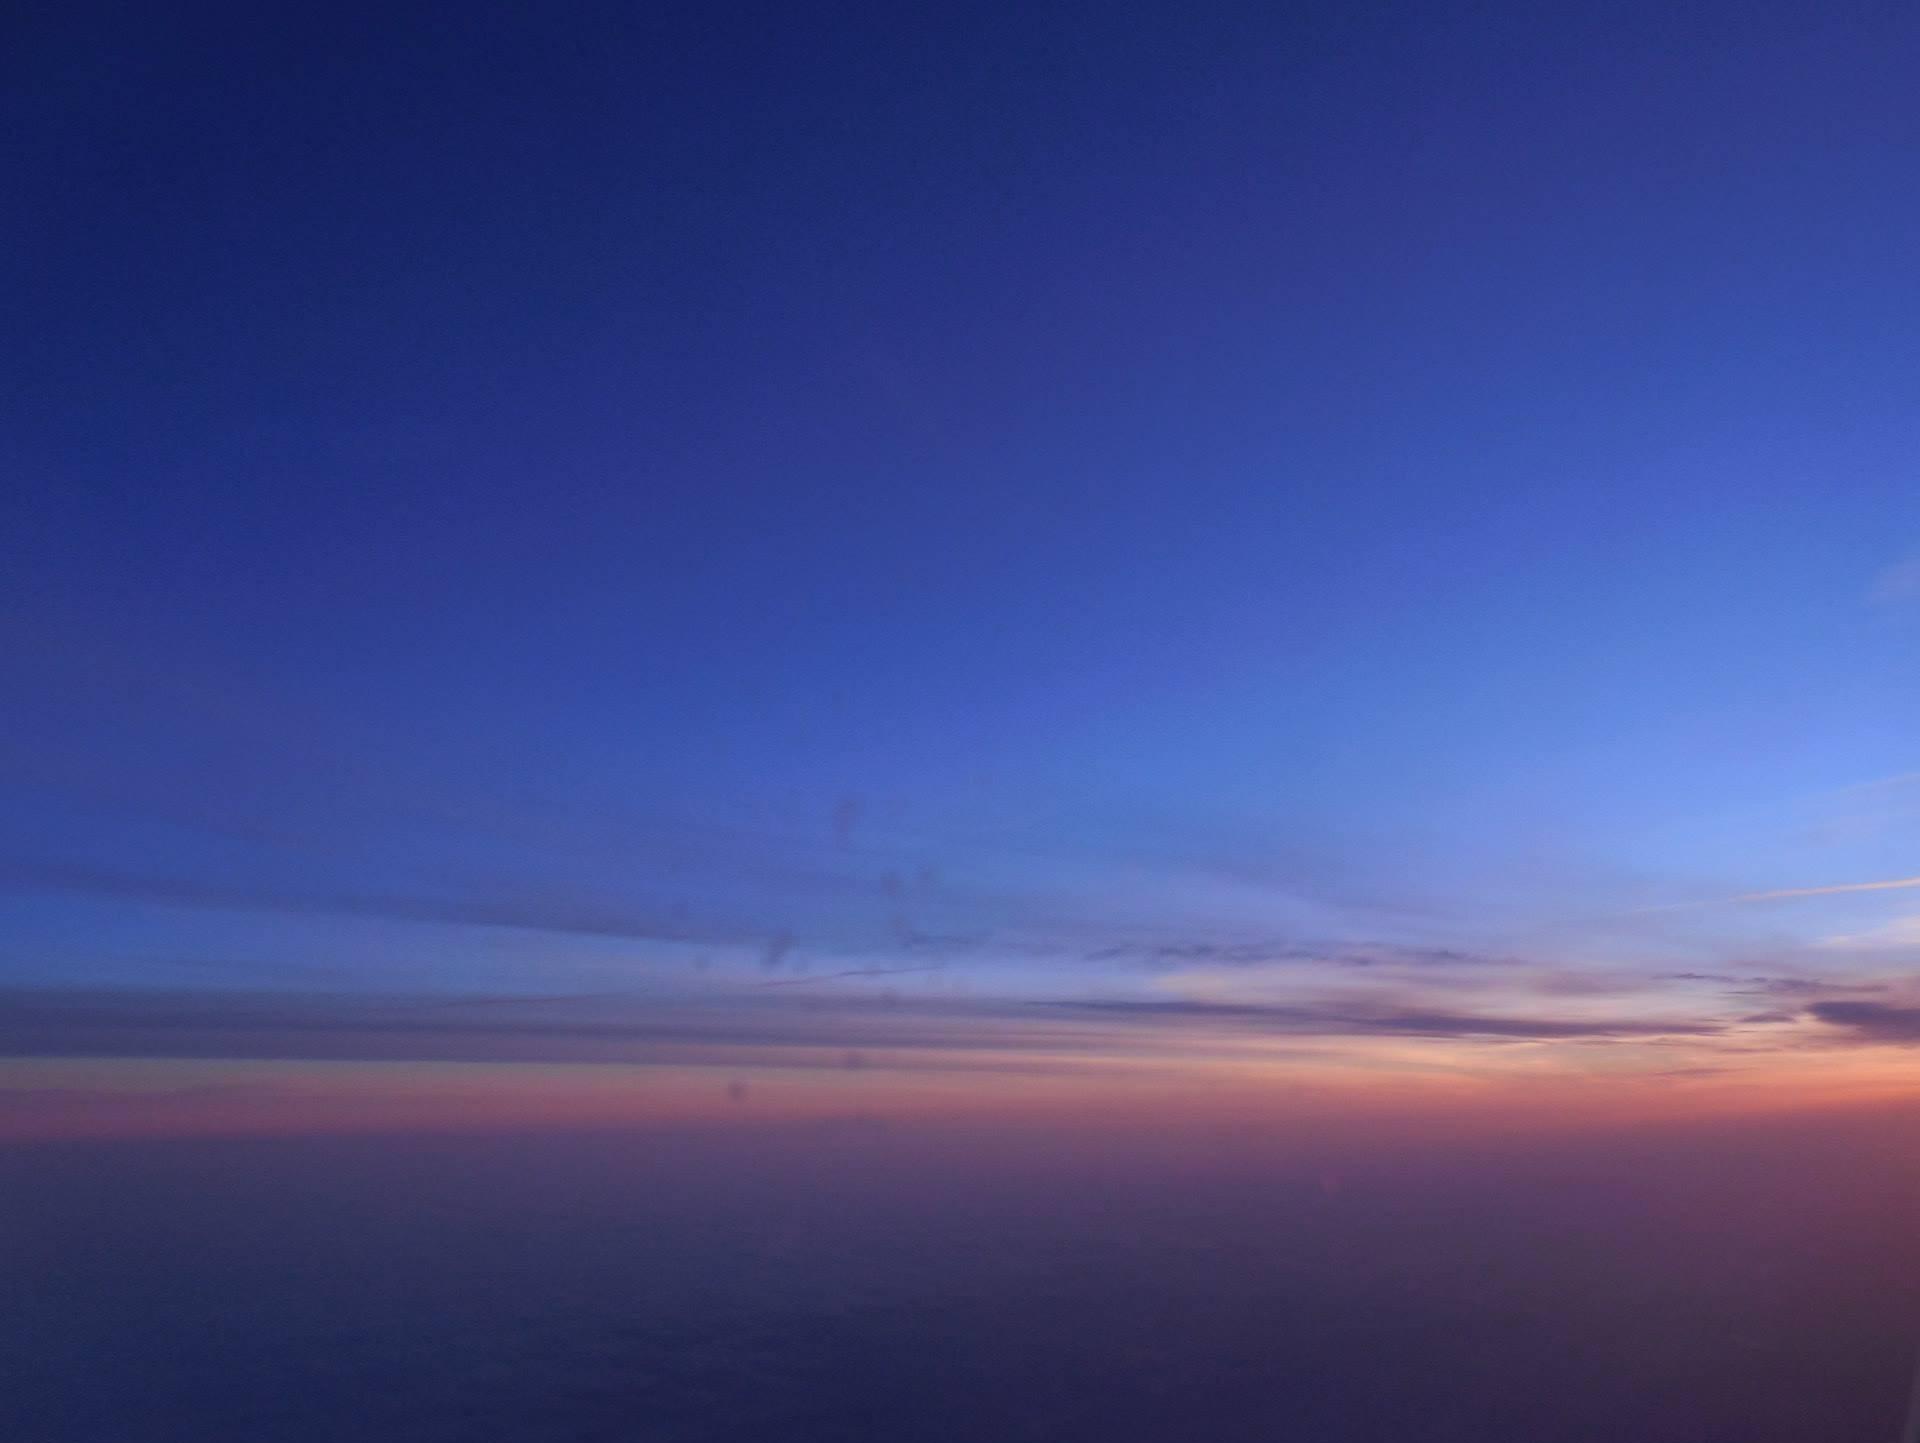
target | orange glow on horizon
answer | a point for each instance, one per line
(1381, 1083)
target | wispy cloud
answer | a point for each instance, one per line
(526, 911)
(1764, 986)
(1261, 953)
(842, 975)
(1898, 583)
(783, 1026)
(1874, 786)
(1385, 1021)
(1782, 894)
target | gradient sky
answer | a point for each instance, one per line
(1017, 543)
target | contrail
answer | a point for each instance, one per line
(1896, 884)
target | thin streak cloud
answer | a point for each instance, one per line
(1781, 894)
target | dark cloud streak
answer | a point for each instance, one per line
(667, 924)
(1870, 1021)
(1319, 1020)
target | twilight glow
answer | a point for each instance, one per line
(928, 723)
(1198, 599)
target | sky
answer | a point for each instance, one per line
(694, 561)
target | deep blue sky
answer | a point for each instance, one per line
(493, 488)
